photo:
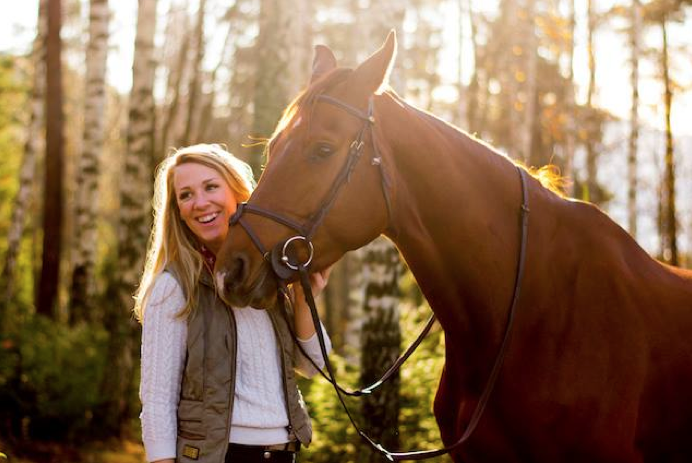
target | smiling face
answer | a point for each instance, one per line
(205, 201)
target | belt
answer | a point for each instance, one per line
(292, 446)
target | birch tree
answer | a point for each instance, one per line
(670, 216)
(274, 49)
(660, 13)
(635, 52)
(84, 247)
(530, 74)
(177, 64)
(380, 339)
(380, 345)
(195, 81)
(591, 183)
(133, 228)
(33, 145)
(570, 103)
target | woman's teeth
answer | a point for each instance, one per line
(207, 218)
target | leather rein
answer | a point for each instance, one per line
(284, 269)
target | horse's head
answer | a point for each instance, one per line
(322, 181)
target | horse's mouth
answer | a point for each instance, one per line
(260, 293)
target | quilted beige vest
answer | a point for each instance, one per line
(206, 396)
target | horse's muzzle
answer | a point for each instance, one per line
(238, 286)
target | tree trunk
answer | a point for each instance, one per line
(671, 238)
(176, 74)
(33, 145)
(299, 45)
(380, 334)
(207, 112)
(194, 89)
(271, 82)
(531, 50)
(55, 147)
(118, 387)
(475, 90)
(354, 313)
(380, 345)
(336, 305)
(571, 107)
(635, 50)
(461, 116)
(591, 178)
(84, 248)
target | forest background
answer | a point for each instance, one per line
(93, 95)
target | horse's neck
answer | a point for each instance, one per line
(455, 222)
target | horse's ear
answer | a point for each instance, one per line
(373, 73)
(323, 62)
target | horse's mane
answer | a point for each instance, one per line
(548, 175)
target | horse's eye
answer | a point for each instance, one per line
(322, 151)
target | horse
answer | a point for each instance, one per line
(598, 367)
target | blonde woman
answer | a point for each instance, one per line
(217, 382)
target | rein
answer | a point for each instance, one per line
(284, 269)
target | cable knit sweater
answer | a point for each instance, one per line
(259, 411)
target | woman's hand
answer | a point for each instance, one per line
(303, 320)
(318, 281)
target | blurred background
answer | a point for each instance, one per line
(93, 94)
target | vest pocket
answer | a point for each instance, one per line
(190, 413)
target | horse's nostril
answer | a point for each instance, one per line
(237, 271)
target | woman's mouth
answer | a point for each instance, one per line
(209, 218)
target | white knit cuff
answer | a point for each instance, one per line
(160, 450)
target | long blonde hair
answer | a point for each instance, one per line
(171, 244)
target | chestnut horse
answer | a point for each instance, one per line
(599, 364)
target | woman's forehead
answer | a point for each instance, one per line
(190, 173)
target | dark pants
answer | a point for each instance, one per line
(256, 454)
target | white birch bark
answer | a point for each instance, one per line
(133, 229)
(380, 337)
(136, 186)
(86, 197)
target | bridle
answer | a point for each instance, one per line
(284, 269)
(278, 257)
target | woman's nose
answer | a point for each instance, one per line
(201, 201)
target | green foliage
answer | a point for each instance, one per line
(50, 375)
(334, 438)
(13, 101)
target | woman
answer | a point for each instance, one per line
(217, 382)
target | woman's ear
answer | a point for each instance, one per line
(373, 73)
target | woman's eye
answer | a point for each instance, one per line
(212, 186)
(184, 195)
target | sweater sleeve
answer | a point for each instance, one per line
(311, 347)
(164, 339)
